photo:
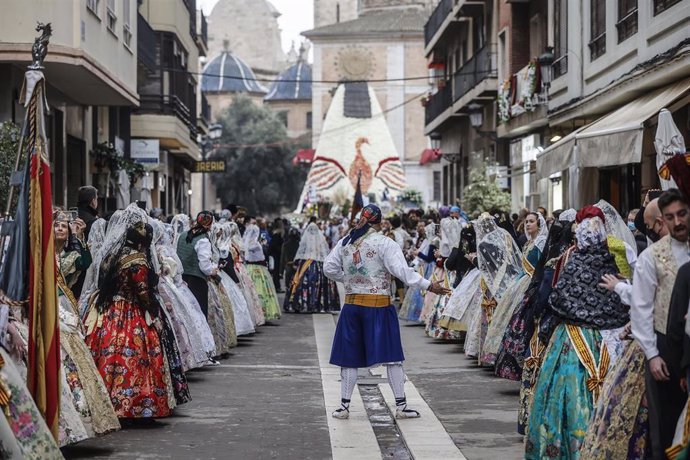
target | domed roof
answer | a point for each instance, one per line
(228, 73)
(293, 84)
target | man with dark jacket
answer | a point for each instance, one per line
(87, 204)
(87, 207)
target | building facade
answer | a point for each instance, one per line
(460, 48)
(90, 101)
(291, 95)
(171, 114)
(569, 93)
(617, 65)
(382, 43)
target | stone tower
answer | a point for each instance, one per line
(251, 29)
(368, 6)
(327, 12)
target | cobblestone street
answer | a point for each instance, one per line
(267, 401)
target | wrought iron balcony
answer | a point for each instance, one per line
(438, 103)
(479, 67)
(168, 104)
(191, 7)
(439, 15)
(203, 29)
(146, 43)
(205, 111)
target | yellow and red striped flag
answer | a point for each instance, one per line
(28, 271)
(44, 327)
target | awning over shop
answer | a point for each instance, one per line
(613, 139)
(429, 155)
(556, 157)
(617, 137)
(304, 157)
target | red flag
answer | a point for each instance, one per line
(44, 336)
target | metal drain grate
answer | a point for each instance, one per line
(388, 435)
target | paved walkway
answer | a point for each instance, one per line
(273, 397)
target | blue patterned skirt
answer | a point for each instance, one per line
(413, 303)
(310, 291)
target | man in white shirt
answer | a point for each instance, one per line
(368, 333)
(655, 274)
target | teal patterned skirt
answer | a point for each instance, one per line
(562, 404)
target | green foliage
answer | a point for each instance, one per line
(9, 140)
(106, 156)
(259, 174)
(483, 194)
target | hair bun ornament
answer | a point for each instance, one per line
(589, 211)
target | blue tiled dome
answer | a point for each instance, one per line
(294, 84)
(228, 73)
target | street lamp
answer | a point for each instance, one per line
(215, 131)
(476, 115)
(435, 138)
(546, 65)
(435, 141)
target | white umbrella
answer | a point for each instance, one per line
(668, 141)
(146, 188)
(122, 192)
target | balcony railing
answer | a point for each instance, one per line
(205, 110)
(560, 66)
(627, 26)
(168, 104)
(146, 43)
(191, 7)
(438, 103)
(597, 46)
(441, 12)
(476, 69)
(203, 29)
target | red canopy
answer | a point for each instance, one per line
(304, 157)
(429, 155)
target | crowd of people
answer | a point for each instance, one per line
(143, 300)
(585, 309)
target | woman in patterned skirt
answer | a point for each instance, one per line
(309, 290)
(124, 330)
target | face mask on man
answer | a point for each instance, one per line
(631, 226)
(652, 234)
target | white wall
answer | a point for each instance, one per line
(655, 35)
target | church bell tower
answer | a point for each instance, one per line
(327, 12)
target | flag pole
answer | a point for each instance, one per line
(32, 245)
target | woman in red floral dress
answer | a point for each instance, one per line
(124, 337)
